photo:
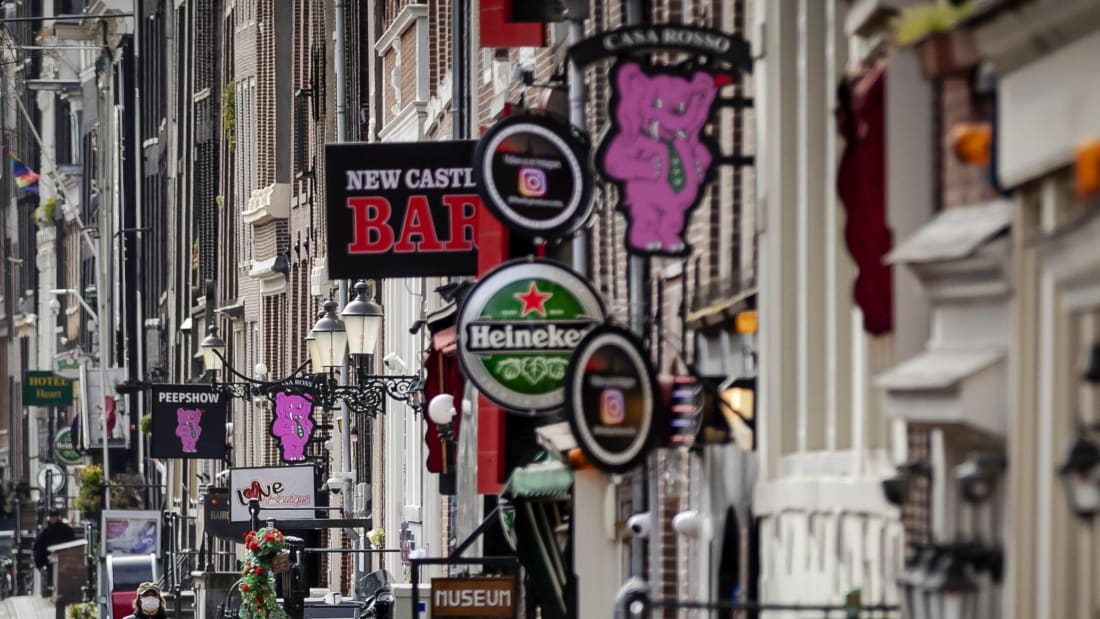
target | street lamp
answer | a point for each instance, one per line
(213, 350)
(332, 338)
(363, 320)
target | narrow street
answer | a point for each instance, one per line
(26, 607)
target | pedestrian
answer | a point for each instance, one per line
(55, 532)
(149, 602)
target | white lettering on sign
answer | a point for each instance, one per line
(199, 397)
(413, 178)
(472, 598)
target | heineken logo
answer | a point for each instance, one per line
(552, 336)
(517, 329)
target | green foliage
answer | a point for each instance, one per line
(44, 215)
(920, 21)
(146, 423)
(89, 493)
(229, 114)
(257, 575)
(82, 610)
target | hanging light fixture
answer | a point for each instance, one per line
(213, 350)
(363, 320)
(1080, 473)
(331, 338)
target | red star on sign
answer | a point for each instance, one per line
(533, 300)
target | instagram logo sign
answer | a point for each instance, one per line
(612, 407)
(532, 182)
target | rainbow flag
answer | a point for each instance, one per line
(25, 178)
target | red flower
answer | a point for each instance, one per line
(259, 599)
(244, 587)
(259, 570)
(269, 537)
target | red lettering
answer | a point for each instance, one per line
(463, 210)
(372, 235)
(418, 221)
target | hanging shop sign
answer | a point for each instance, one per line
(401, 209)
(64, 448)
(46, 389)
(719, 46)
(216, 520)
(655, 149)
(292, 424)
(611, 399)
(283, 492)
(188, 422)
(516, 330)
(531, 172)
(656, 152)
(473, 597)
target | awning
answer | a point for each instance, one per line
(954, 234)
(963, 388)
(233, 310)
(541, 480)
(539, 493)
(940, 369)
(186, 324)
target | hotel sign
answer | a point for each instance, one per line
(46, 389)
(473, 597)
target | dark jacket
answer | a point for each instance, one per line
(56, 533)
(140, 615)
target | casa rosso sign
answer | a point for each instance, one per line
(401, 209)
(473, 597)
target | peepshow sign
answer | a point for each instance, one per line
(401, 209)
(188, 422)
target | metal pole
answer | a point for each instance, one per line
(643, 482)
(342, 295)
(577, 93)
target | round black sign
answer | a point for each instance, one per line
(530, 172)
(611, 399)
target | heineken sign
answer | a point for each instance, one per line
(64, 448)
(517, 329)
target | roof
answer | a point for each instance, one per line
(953, 234)
(938, 369)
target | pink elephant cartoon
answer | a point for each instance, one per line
(656, 153)
(293, 424)
(189, 428)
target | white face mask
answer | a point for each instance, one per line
(150, 604)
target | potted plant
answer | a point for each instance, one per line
(931, 30)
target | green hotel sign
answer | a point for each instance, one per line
(46, 389)
(517, 328)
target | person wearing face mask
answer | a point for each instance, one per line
(149, 603)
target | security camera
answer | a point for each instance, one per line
(394, 362)
(55, 306)
(334, 484)
(693, 524)
(640, 525)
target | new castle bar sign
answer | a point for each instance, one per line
(401, 209)
(46, 389)
(473, 597)
(518, 326)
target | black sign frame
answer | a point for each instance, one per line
(535, 176)
(647, 420)
(723, 47)
(379, 224)
(185, 408)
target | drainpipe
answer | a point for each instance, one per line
(342, 299)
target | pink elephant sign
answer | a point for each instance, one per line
(188, 422)
(657, 152)
(292, 424)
